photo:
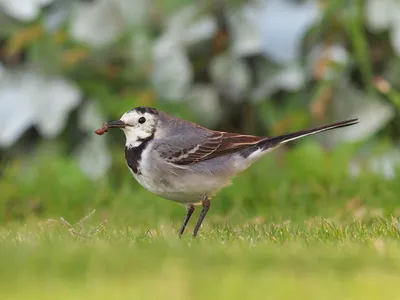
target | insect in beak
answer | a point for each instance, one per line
(113, 124)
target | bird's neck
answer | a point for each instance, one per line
(134, 151)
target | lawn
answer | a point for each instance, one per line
(296, 226)
(314, 260)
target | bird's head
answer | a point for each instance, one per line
(138, 124)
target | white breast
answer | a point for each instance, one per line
(183, 185)
(188, 184)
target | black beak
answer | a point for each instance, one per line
(116, 124)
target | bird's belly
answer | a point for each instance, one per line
(185, 188)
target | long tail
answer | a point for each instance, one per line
(282, 139)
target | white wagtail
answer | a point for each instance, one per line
(187, 163)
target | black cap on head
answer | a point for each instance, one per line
(145, 109)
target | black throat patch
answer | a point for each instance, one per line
(133, 155)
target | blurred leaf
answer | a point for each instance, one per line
(90, 117)
(328, 61)
(247, 36)
(23, 38)
(57, 14)
(385, 88)
(282, 39)
(350, 102)
(8, 25)
(378, 14)
(231, 76)
(169, 60)
(386, 163)
(45, 52)
(73, 57)
(23, 10)
(93, 156)
(319, 103)
(96, 23)
(134, 12)
(141, 49)
(28, 98)
(290, 123)
(108, 101)
(291, 77)
(203, 100)
(190, 25)
(308, 161)
(359, 42)
(395, 38)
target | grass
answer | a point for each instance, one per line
(296, 225)
(313, 260)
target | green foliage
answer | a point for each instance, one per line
(304, 182)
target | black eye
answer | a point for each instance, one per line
(142, 120)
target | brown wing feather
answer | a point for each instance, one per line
(234, 141)
(219, 143)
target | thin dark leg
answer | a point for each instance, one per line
(189, 212)
(206, 206)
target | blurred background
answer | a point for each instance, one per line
(257, 67)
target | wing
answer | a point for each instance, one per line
(213, 145)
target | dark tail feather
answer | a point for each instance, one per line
(282, 139)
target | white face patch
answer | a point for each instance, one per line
(135, 131)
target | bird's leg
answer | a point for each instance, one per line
(189, 212)
(206, 205)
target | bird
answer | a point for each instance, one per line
(187, 163)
